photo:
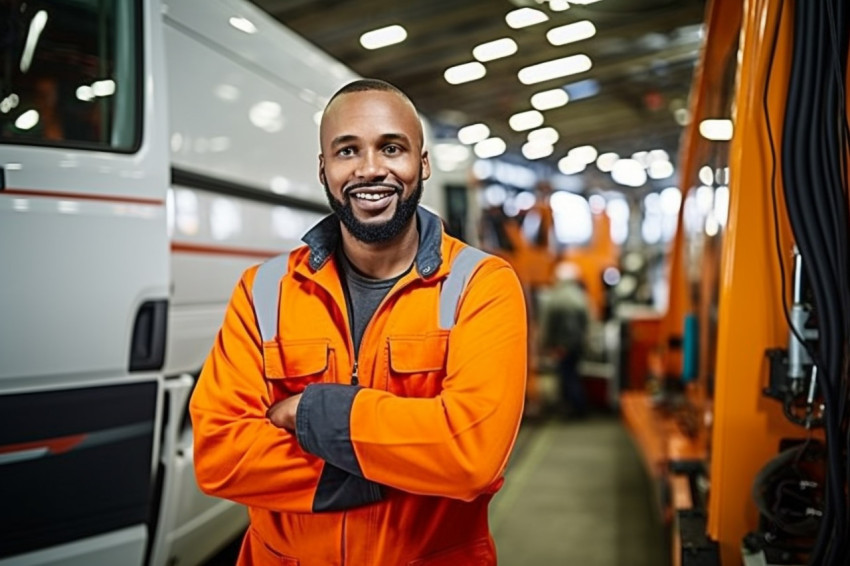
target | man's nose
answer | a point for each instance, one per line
(372, 166)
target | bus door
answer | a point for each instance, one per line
(83, 277)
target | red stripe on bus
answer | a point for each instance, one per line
(81, 196)
(180, 247)
(53, 445)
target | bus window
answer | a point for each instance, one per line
(69, 73)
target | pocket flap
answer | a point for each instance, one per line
(305, 358)
(418, 354)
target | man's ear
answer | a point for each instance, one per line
(322, 169)
(426, 165)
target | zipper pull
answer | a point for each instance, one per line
(354, 379)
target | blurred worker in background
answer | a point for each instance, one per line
(375, 427)
(564, 320)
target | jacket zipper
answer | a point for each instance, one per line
(355, 378)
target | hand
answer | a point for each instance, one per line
(282, 413)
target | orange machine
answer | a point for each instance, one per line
(722, 429)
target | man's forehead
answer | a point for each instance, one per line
(388, 103)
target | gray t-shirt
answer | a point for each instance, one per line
(363, 295)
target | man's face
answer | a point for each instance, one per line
(372, 164)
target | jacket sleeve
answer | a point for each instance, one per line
(456, 444)
(239, 454)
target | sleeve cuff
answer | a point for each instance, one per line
(322, 424)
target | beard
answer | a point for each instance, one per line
(373, 233)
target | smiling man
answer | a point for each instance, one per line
(365, 391)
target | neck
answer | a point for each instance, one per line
(383, 260)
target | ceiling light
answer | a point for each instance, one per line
(571, 33)
(36, 27)
(105, 87)
(451, 152)
(706, 175)
(473, 133)
(584, 153)
(495, 49)
(641, 157)
(628, 172)
(85, 93)
(465, 73)
(554, 69)
(525, 120)
(525, 17)
(569, 165)
(243, 24)
(544, 135)
(559, 5)
(716, 130)
(660, 169)
(491, 147)
(583, 2)
(606, 161)
(27, 120)
(382, 37)
(548, 99)
(658, 155)
(537, 150)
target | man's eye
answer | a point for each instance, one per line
(392, 149)
(346, 151)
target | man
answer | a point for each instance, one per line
(564, 325)
(375, 428)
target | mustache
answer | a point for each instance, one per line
(396, 188)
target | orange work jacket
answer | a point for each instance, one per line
(397, 470)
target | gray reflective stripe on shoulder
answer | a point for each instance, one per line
(265, 294)
(462, 267)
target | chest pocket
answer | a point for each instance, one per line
(417, 364)
(298, 364)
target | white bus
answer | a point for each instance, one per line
(150, 150)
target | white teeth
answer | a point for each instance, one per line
(371, 196)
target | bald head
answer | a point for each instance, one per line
(366, 86)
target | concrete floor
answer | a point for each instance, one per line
(577, 493)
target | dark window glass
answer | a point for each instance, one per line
(69, 73)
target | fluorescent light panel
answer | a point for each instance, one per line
(383, 37)
(524, 17)
(606, 161)
(554, 69)
(495, 49)
(571, 33)
(546, 135)
(473, 133)
(584, 153)
(548, 99)
(491, 147)
(527, 120)
(716, 130)
(569, 165)
(537, 150)
(36, 27)
(465, 73)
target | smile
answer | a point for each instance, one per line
(371, 196)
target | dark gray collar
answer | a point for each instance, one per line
(323, 240)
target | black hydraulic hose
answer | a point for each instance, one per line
(811, 240)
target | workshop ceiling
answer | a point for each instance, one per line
(643, 57)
